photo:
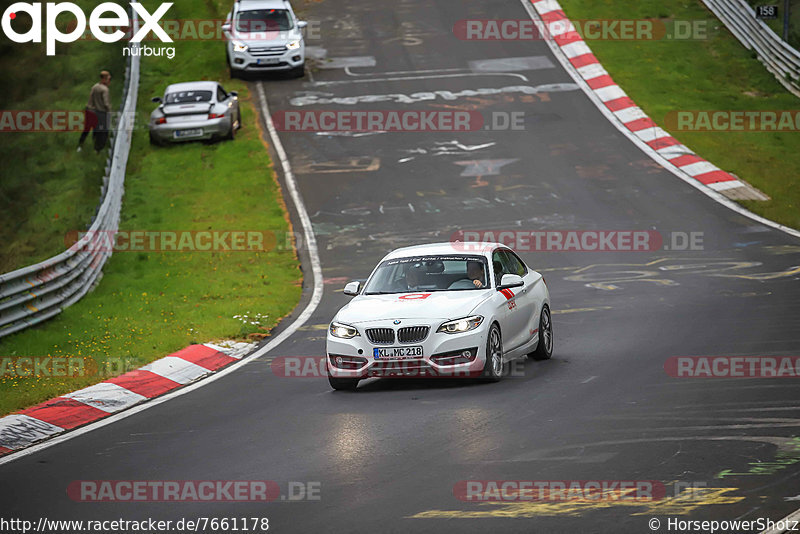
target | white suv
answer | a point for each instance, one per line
(264, 35)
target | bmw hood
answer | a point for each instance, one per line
(435, 305)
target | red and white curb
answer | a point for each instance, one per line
(22, 429)
(560, 31)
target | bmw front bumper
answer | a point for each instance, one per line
(355, 357)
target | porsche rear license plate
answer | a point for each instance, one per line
(397, 353)
(195, 132)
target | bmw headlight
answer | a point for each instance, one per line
(239, 46)
(461, 325)
(343, 330)
(293, 45)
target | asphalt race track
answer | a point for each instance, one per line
(387, 457)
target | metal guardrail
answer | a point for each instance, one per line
(38, 292)
(781, 60)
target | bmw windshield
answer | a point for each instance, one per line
(429, 273)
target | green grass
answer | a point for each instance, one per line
(150, 304)
(46, 188)
(714, 74)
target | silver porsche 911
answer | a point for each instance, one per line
(194, 111)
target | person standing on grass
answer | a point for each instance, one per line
(97, 113)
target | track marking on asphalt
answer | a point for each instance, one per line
(305, 315)
(510, 64)
(423, 77)
(430, 96)
(345, 62)
(595, 275)
(355, 164)
(783, 458)
(681, 504)
(484, 167)
(581, 310)
(360, 74)
(764, 276)
(639, 142)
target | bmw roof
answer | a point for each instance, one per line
(454, 247)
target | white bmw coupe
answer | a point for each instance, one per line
(446, 309)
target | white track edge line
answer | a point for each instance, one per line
(647, 149)
(788, 520)
(316, 297)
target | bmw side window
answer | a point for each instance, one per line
(515, 265)
(221, 95)
(498, 265)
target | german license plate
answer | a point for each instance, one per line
(194, 132)
(268, 61)
(397, 353)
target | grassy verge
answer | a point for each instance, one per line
(713, 74)
(152, 303)
(46, 188)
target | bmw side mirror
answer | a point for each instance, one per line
(226, 27)
(352, 289)
(156, 99)
(233, 93)
(302, 24)
(510, 280)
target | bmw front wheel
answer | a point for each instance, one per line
(545, 347)
(493, 368)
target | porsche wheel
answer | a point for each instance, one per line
(232, 133)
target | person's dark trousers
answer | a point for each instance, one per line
(89, 124)
(100, 133)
